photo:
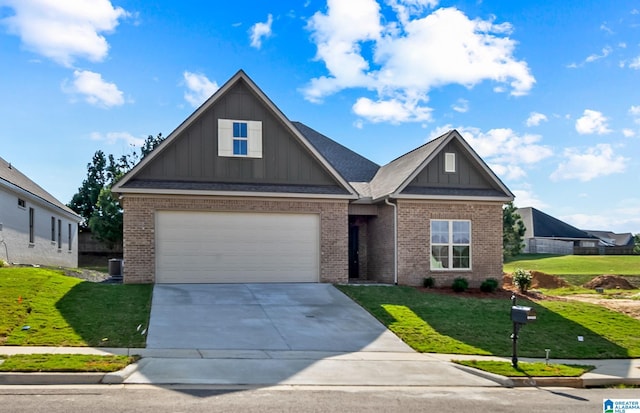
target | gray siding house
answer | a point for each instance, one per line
(239, 193)
(35, 228)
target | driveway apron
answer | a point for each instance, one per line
(294, 317)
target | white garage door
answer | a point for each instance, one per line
(230, 247)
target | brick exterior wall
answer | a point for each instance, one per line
(139, 229)
(380, 245)
(414, 240)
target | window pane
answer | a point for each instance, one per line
(461, 257)
(439, 256)
(239, 130)
(239, 147)
(439, 232)
(461, 232)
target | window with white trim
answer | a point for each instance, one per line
(450, 162)
(69, 238)
(53, 229)
(450, 244)
(239, 138)
(59, 234)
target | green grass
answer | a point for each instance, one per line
(438, 323)
(505, 368)
(587, 265)
(29, 363)
(66, 311)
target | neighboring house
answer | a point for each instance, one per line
(611, 239)
(35, 228)
(239, 193)
(548, 235)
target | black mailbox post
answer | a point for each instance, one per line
(520, 315)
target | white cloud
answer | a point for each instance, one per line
(260, 31)
(635, 111)
(200, 88)
(508, 172)
(392, 110)
(596, 161)
(535, 118)
(404, 9)
(64, 30)
(526, 198)
(475, 50)
(620, 220)
(628, 133)
(462, 106)
(507, 153)
(635, 63)
(95, 90)
(114, 137)
(591, 122)
(592, 58)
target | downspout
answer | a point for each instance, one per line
(395, 239)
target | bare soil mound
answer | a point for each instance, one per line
(609, 282)
(539, 280)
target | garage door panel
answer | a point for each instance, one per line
(236, 247)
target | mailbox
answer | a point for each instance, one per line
(522, 315)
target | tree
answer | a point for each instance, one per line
(85, 200)
(99, 207)
(513, 230)
(636, 240)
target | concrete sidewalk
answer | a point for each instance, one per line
(258, 367)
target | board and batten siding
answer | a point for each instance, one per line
(193, 156)
(468, 174)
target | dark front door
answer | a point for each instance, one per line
(354, 261)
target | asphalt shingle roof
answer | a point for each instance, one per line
(11, 175)
(352, 166)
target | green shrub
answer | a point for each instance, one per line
(428, 282)
(460, 284)
(489, 285)
(522, 279)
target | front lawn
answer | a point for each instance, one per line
(43, 307)
(431, 322)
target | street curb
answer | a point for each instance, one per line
(501, 380)
(118, 377)
(50, 378)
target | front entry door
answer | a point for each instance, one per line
(354, 261)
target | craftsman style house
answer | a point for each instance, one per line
(239, 193)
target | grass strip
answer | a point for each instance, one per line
(504, 368)
(75, 363)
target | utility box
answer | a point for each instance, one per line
(522, 315)
(115, 267)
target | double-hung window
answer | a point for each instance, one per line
(450, 245)
(240, 140)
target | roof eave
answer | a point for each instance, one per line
(445, 198)
(194, 192)
(71, 215)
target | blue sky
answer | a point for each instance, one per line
(545, 91)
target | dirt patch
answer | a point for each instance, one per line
(609, 282)
(538, 280)
(621, 305)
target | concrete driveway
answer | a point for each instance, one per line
(288, 317)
